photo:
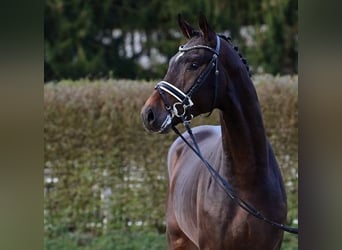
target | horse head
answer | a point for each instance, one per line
(190, 86)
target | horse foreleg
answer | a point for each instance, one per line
(176, 239)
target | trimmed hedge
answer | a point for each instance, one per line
(104, 172)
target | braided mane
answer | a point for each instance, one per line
(236, 48)
(243, 59)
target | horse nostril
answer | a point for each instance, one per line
(150, 116)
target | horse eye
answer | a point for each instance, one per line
(193, 66)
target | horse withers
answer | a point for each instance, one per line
(207, 73)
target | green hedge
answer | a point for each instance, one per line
(104, 173)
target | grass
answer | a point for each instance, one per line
(129, 241)
(114, 241)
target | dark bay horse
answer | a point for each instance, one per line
(205, 74)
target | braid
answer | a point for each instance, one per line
(243, 59)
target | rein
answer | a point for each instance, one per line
(179, 109)
(227, 188)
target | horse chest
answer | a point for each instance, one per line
(196, 200)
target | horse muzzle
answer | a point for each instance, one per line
(156, 121)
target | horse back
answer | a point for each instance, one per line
(206, 136)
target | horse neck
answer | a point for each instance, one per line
(243, 133)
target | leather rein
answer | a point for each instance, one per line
(179, 109)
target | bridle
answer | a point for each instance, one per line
(179, 109)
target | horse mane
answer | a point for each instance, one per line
(236, 48)
(228, 39)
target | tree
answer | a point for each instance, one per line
(109, 38)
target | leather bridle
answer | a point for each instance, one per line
(184, 102)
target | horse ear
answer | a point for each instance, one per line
(208, 33)
(186, 28)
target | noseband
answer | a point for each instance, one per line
(179, 108)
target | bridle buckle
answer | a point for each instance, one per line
(179, 109)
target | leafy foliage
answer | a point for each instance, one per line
(105, 177)
(108, 38)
